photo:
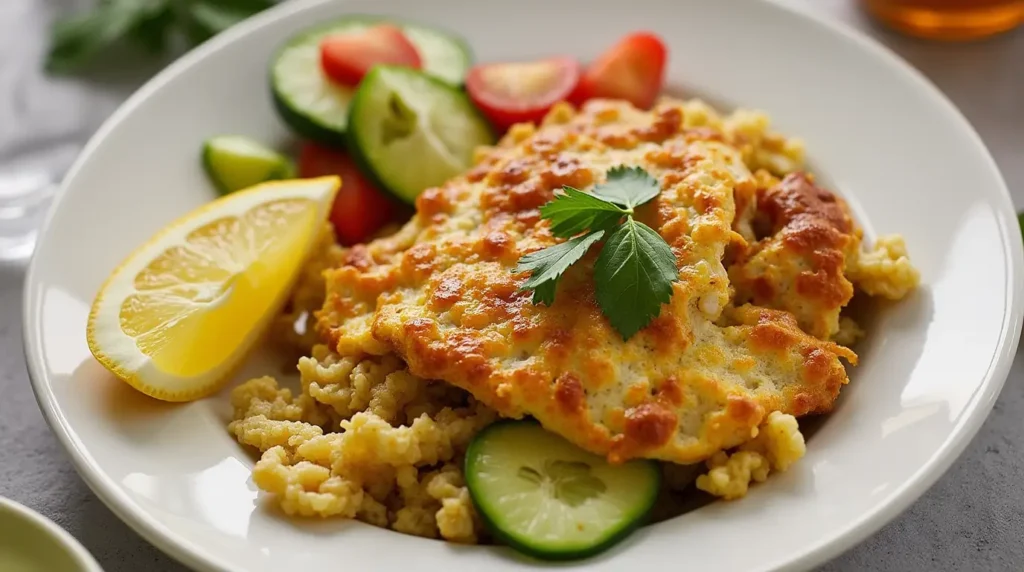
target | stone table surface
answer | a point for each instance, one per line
(971, 520)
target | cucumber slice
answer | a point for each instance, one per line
(550, 499)
(234, 162)
(412, 131)
(316, 107)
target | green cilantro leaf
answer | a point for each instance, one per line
(544, 293)
(546, 266)
(633, 276)
(575, 211)
(635, 269)
(629, 187)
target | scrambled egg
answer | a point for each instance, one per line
(777, 446)
(885, 270)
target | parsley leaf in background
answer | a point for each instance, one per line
(547, 265)
(208, 18)
(633, 276)
(575, 211)
(635, 269)
(81, 37)
(152, 31)
(148, 24)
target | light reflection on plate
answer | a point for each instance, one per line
(222, 494)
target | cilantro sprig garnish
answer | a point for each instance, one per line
(634, 270)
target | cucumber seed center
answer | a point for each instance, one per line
(399, 122)
(570, 482)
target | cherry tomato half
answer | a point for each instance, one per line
(514, 92)
(633, 69)
(346, 58)
(360, 209)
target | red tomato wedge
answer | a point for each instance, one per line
(633, 69)
(360, 209)
(514, 92)
(346, 58)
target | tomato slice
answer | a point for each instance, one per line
(360, 209)
(514, 92)
(346, 58)
(633, 69)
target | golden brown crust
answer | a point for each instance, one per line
(442, 294)
(798, 266)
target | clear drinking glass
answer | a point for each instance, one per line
(24, 199)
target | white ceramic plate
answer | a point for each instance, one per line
(877, 131)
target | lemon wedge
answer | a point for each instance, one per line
(179, 314)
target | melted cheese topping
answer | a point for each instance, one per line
(441, 294)
(799, 265)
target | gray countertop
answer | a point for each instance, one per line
(971, 520)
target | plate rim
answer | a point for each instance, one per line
(978, 407)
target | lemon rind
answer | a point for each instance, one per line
(118, 352)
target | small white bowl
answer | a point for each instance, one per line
(29, 542)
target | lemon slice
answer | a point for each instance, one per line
(176, 317)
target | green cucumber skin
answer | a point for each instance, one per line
(287, 171)
(222, 190)
(308, 127)
(541, 554)
(352, 147)
(355, 149)
(211, 175)
(305, 126)
(367, 171)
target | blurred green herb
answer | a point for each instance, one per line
(150, 25)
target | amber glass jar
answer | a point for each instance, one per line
(949, 19)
